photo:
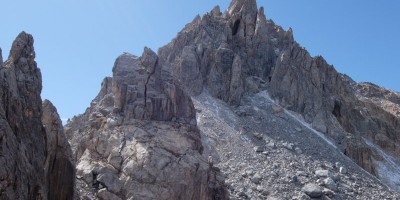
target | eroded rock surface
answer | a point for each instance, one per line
(59, 164)
(139, 139)
(24, 155)
(240, 52)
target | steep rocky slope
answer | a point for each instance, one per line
(239, 52)
(28, 151)
(268, 152)
(139, 139)
(294, 144)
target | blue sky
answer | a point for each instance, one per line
(77, 41)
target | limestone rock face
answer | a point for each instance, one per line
(239, 53)
(139, 139)
(24, 153)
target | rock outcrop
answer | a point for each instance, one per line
(139, 139)
(23, 148)
(59, 166)
(23, 137)
(239, 53)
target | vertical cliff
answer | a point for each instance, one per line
(25, 144)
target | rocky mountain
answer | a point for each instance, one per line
(139, 139)
(33, 155)
(232, 108)
(239, 53)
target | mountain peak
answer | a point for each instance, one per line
(22, 47)
(242, 6)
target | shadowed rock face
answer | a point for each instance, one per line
(59, 166)
(239, 53)
(23, 148)
(23, 137)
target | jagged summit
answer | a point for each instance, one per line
(27, 146)
(269, 115)
(22, 47)
(244, 7)
(232, 108)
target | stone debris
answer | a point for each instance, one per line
(312, 190)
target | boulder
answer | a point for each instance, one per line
(312, 190)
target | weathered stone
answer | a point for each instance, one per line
(103, 194)
(330, 184)
(322, 173)
(34, 155)
(256, 178)
(59, 166)
(342, 170)
(139, 94)
(152, 147)
(312, 190)
(258, 149)
(149, 60)
(110, 181)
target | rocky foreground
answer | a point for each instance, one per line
(232, 108)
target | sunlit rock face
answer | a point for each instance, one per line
(139, 139)
(239, 52)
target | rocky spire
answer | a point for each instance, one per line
(22, 47)
(247, 9)
(242, 6)
(59, 167)
(243, 16)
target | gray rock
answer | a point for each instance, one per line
(140, 94)
(110, 181)
(330, 184)
(298, 150)
(343, 170)
(103, 194)
(322, 173)
(271, 145)
(153, 146)
(288, 146)
(328, 192)
(59, 166)
(149, 60)
(256, 178)
(33, 154)
(312, 190)
(258, 149)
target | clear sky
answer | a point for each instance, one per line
(77, 41)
